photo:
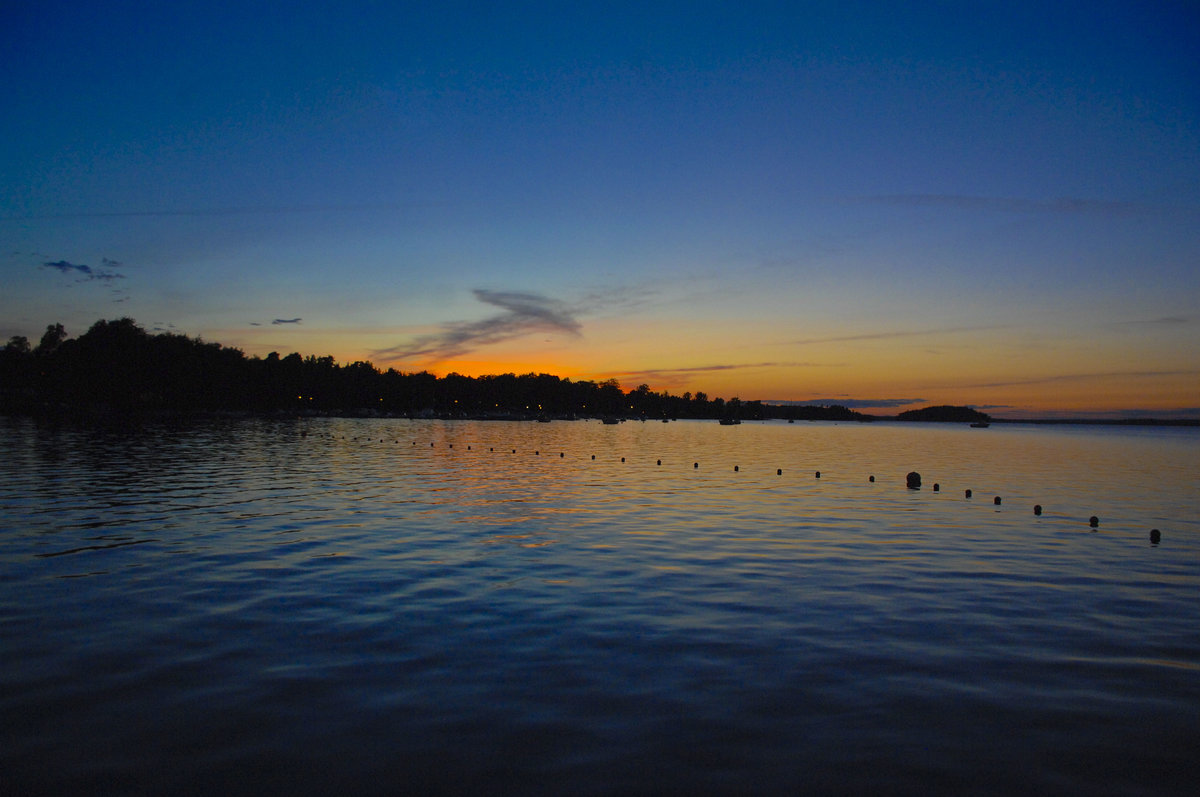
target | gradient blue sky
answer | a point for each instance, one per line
(878, 204)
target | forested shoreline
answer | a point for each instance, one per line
(117, 367)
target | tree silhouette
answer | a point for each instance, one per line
(116, 367)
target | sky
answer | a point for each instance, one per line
(880, 205)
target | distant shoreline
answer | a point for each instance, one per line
(96, 414)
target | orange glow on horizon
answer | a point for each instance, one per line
(1002, 377)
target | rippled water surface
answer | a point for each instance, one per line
(390, 606)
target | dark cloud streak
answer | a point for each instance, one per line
(88, 274)
(523, 313)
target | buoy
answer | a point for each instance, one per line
(452, 445)
(871, 479)
(593, 456)
(1037, 509)
(937, 488)
(735, 467)
(561, 455)
(468, 448)
(695, 464)
(1093, 521)
(818, 474)
(537, 453)
(996, 500)
(622, 459)
(779, 472)
(660, 462)
(1155, 536)
(914, 480)
(968, 493)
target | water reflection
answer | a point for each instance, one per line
(362, 604)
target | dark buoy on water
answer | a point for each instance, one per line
(996, 500)
(735, 468)
(937, 488)
(660, 462)
(871, 479)
(818, 474)
(779, 471)
(1037, 509)
(1155, 536)
(622, 459)
(695, 464)
(1093, 521)
(968, 493)
(593, 456)
(914, 480)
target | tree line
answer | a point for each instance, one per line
(118, 367)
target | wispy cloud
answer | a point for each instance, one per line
(106, 273)
(671, 376)
(1049, 380)
(850, 403)
(522, 314)
(88, 273)
(1008, 204)
(909, 333)
(223, 211)
(1161, 321)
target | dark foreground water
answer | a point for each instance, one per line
(379, 606)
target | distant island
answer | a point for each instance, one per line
(946, 414)
(118, 370)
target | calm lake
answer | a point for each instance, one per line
(398, 606)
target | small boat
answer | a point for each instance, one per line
(610, 420)
(980, 425)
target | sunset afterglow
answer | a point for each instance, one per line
(995, 205)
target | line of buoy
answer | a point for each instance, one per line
(912, 480)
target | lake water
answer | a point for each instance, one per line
(393, 606)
